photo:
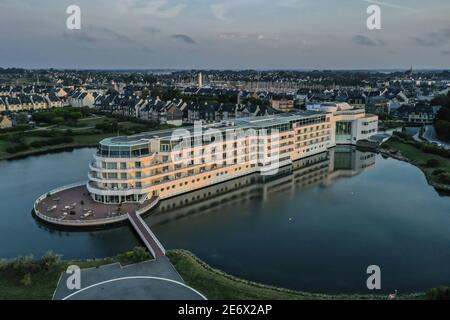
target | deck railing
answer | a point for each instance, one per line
(103, 221)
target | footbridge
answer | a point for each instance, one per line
(147, 236)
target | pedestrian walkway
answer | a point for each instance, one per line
(147, 236)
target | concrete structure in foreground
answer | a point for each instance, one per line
(149, 280)
(168, 163)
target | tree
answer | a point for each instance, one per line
(442, 293)
(442, 123)
(433, 163)
(21, 119)
(50, 260)
(26, 280)
(58, 120)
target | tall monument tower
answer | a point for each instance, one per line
(200, 80)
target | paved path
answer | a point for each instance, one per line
(416, 137)
(150, 280)
(146, 235)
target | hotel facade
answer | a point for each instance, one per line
(172, 162)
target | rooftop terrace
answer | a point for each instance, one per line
(243, 123)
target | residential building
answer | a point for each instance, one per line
(5, 122)
(53, 101)
(283, 103)
(2, 104)
(39, 102)
(13, 104)
(80, 98)
(416, 114)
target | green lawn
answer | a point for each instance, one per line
(44, 278)
(43, 282)
(84, 123)
(418, 157)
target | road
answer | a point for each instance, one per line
(431, 136)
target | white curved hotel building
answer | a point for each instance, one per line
(171, 162)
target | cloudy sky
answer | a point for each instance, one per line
(263, 34)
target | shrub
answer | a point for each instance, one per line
(21, 265)
(60, 115)
(17, 148)
(401, 135)
(433, 163)
(428, 148)
(443, 128)
(15, 138)
(108, 126)
(51, 142)
(43, 133)
(26, 280)
(50, 260)
(438, 172)
(444, 178)
(138, 254)
(442, 293)
(18, 128)
(58, 120)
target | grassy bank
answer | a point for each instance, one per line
(79, 141)
(215, 284)
(30, 279)
(435, 167)
(26, 278)
(67, 133)
(389, 124)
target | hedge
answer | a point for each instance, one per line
(51, 142)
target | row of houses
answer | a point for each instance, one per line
(210, 113)
(14, 91)
(26, 98)
(416, 114)
(394, 102)
(175, 112)
(29, 102)
(81, 98)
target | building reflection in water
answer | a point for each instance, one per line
(320, 170)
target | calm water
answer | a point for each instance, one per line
(315, 228)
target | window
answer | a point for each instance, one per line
(343, 128)
(111, 165)
(165, 147)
